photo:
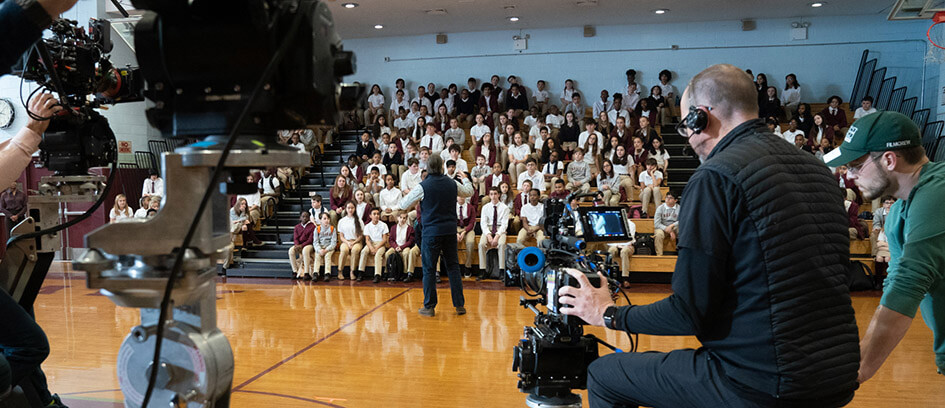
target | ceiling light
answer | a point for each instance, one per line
(513, 19)
(586, 3)
(436, 12)
(349, 5)
(660, 11)
(378, 26)
(818, 4)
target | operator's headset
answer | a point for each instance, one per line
(697, 119)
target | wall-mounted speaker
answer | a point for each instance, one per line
(441, 38)
(589, 31)
(748, 25)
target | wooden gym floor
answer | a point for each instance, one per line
(344, 344)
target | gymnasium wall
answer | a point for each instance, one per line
(825, 63)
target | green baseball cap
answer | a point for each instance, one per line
(876, 132)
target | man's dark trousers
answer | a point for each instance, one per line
(680, 378)
(432, 248)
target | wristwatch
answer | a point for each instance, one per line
(35, 13)
(610, 315)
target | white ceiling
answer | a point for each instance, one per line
(408, 17)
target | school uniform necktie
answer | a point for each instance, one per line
(495, 219)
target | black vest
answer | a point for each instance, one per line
(438, 207)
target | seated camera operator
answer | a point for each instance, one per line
(776, 324)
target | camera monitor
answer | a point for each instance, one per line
(604, 224)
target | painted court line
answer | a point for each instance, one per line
(272, 394)
(317, 342)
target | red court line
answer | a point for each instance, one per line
(327, 404)
(317, 342)
(89, 392)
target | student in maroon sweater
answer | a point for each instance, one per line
(465, 222)
(302, 246)
(339, 195)
(402, 239)
(835, 117)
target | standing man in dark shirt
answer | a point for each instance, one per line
(438, 221)
(776, 324)
(13, 206)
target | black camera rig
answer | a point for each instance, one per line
(553, 356)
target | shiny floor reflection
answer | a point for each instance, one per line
(364, 345)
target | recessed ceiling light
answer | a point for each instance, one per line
(513, 19)
(436, 12)
(349, 5)
(378, 26)
(818, 4)
(660, 11)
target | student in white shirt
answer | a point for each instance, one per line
(553, 170)
(792, 131)
(541, 96)
(375, 244)
(659, 152)
(270, 188)
(866, 108)
(494, 221)
(431, 140)
(532, 117)
(650, 185)
(388, 199)
(480, 128)
(532, 215)
(121, 210)
(403, 121)
(554, 118)
(400, 102)
(603, 105)
(145, 203)
(532, 174)
(411, 178)
(590, 125)
(632, 97)
(669, 91)
(153, 185)
(421, 99)
(454, 155)
(375, 104)
(567, 93)
(617, 110)
(400, 85)
(791, 97)
(351, 238)
(253, 203)
(519, 151)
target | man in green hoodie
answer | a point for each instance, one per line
(884, 155)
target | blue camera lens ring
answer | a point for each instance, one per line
(537, 260)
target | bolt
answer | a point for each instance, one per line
(207, 90)
(236, 88)
(159, 86)
(180, 91)
(267, 87)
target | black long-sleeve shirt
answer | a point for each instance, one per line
(19, 30)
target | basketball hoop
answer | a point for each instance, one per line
(936, 36)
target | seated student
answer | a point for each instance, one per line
(270, 189)
(622, 168)
(155, 203)
(479, 173)
(465, 233)
(494, 221)
(403, 120)
(824, 147)
(376, 162)
(142, 212)
(801, 143)
(375, 244)
(519, 152)
(792, 131)
(373, 184)
(153, 185)
(532, 119)
(554, 118)
(384, 142)
(548, 144)
(625, 252)
(240, 222)
(856, 227)
(480, 129)
(316, 210)
(393, 160)
(516, 101)
(617, 110)
(487, 148)
(534, 133)
(639, 155)
(658, 151)
(121, 210)
(553, 170)
(338, 196)
(541, 97)
(253, 203)
(325, 240)
(388, 199)
(355, 169)
(366, 148)
(558, 191)
(644, 130)
(532, 174)
(579, 173)
(590, 127)
(878, 243)
(834, 117)
(401, 239)
(575, 106)
(645, 110)
(496, 178)
(569, 132)
(362, 206)
(506, 195)
(410, 179)
(450, 169)
(351, 236)
(771, 105)
(301, 247)
(441, 119)
(773, 126)
(621, 131)
(533, 217)
(465, 108)
(819, 131)
(608, 183)
(853, 192)
(424, 158)
(456, 133)
(517, 202)
(866, 108)
(649, 185)
(454, 155)
(665, 222)
(603, 126)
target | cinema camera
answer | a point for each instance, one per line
(553, 356)
(230, 74)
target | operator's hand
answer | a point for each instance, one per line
(588, 302)
(43, 105)
(56, 7)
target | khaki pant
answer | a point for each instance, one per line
(301, 260)
(369, 117)
(514, 171)
(352, 254)
(391, 217)
(268, 203)
(470, 241)
(659, 235)
(319, 259)
(335, 215)
(611, 198)
(523, 235)
(409, 256)
(484, 246)
(625, 252)
(572, 186)
(255, 217)
(378, 257)
(651, 194)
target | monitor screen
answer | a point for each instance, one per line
(604, 224)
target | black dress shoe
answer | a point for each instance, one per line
(409, 278)
(426, 312)
(358, 276)
(307, 277)
(327, 277)
(377, 278)
(479, 277)
(438, 278)
(460, 310)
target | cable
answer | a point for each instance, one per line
(217, 172)
(633, 337)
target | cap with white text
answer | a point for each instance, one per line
(876, 132)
